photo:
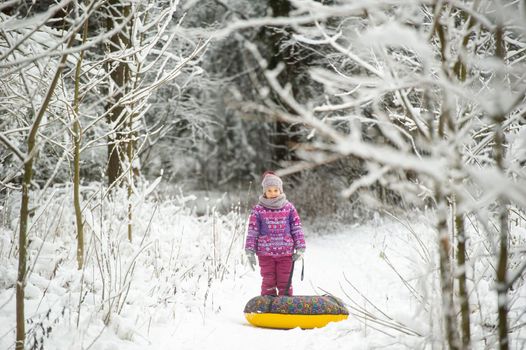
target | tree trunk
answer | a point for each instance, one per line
(22, 248)
(77, 131)
(77, 142)
(502, 265)
(446, 280)
(24, 207)
(283, 136)
(444, 244)
(462, 285)
(130, 179)
(118, 13)
(502, 282)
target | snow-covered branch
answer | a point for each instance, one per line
(12, 147)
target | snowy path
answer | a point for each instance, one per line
(355, 253)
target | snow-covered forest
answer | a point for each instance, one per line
(133, 137)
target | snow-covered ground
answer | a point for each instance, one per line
(183, 283)
(353, 254)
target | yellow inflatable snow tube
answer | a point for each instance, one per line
(287, 312)
(287, 321)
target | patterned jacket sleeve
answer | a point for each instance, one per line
(296, 230)
(253, 231)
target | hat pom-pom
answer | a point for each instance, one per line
(268, 172)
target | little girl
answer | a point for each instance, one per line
(275, 236)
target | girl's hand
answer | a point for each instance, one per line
(299, 254)
(251, 256)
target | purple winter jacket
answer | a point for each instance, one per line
(274, 232)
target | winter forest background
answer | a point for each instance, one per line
(133, 135)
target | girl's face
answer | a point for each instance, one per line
(272, 192)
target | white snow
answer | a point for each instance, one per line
(184, 281)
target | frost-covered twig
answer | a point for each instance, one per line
(362, 313)
(426, 256)
(12, 147)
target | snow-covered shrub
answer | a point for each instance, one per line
(171, 267)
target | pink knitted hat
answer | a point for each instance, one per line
(271, 179)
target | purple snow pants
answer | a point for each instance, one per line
(275, 272)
